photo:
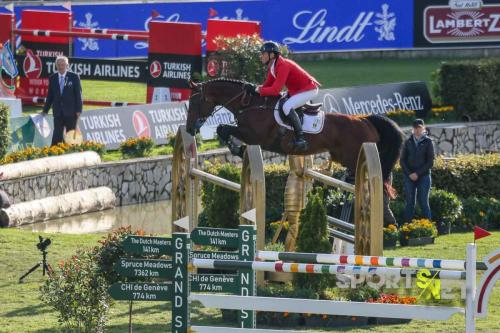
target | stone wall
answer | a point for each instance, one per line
(149, 179)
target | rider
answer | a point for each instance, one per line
(301, 86)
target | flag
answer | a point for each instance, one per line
(480, 233)
(10, 7)
(67, 5)
(154, 13)
(212, 12)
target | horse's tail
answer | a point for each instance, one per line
(389, 146)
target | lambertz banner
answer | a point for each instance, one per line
(112, 126)
(377, 99)
(446, 23)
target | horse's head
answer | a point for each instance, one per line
(200, 108)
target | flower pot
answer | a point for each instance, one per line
(443, 228)
(389, 243)
(416, 241)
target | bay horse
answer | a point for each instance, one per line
(342, 135)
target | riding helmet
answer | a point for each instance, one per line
(270, 46)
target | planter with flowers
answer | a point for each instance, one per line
(391, 235)
(392, 299)
(137, 147)
(418, 232)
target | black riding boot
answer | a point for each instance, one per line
(300, 143)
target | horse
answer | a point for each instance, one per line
(342, 135)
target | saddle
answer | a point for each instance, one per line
(308, 108)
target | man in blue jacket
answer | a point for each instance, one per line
(416, 161)
(65, 98)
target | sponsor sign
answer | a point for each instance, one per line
(172, 70)
(377, 99)
(457, 23)
(111, 126)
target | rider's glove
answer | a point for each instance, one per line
(250, 88)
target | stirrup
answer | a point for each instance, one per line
(299, 144)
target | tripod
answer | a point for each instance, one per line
(46, 267)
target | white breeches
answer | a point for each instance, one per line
(298, 100)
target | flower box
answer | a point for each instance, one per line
(388, 243)
(417, 241)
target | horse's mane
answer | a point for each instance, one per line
(225, 80)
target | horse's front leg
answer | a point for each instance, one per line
(229, 135)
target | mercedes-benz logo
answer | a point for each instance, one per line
(331, 104)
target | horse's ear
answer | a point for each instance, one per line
(192, 84)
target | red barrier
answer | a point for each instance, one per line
(7, 25)
(174, 55)
(229, 28)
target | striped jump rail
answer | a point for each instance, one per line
(319, 258)
(54, 33)
(260, 266)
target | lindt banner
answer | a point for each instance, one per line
(112, 126)
(377, 99)
(457, 22)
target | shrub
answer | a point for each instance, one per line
(313, 238)
(110, 251)
(137, 147)
(78, 293)
(221, 205)
(445, 207)
(4, 130)
(417, 229)
(483, 212)
(276, 176)
(363, 293)
(471, 87)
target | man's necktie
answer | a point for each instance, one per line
(61, 84)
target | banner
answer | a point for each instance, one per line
(448, 23)
(112, 126)
(92, 69)
(377, 99)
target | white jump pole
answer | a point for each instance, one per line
(470, 288)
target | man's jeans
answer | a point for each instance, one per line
(417, 190)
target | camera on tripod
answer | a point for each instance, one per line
(43, 244)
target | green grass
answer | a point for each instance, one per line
(335, 73)
(21, 310)
(115, 155)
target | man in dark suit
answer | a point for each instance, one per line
(65, 98)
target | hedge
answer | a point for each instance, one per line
(4, 129)
(471, 87)
(465, 176)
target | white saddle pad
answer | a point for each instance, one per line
(312, 124)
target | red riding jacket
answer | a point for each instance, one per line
(289, 74)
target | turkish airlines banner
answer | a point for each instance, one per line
(377, 99)
(112, 126)
(448, 23)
